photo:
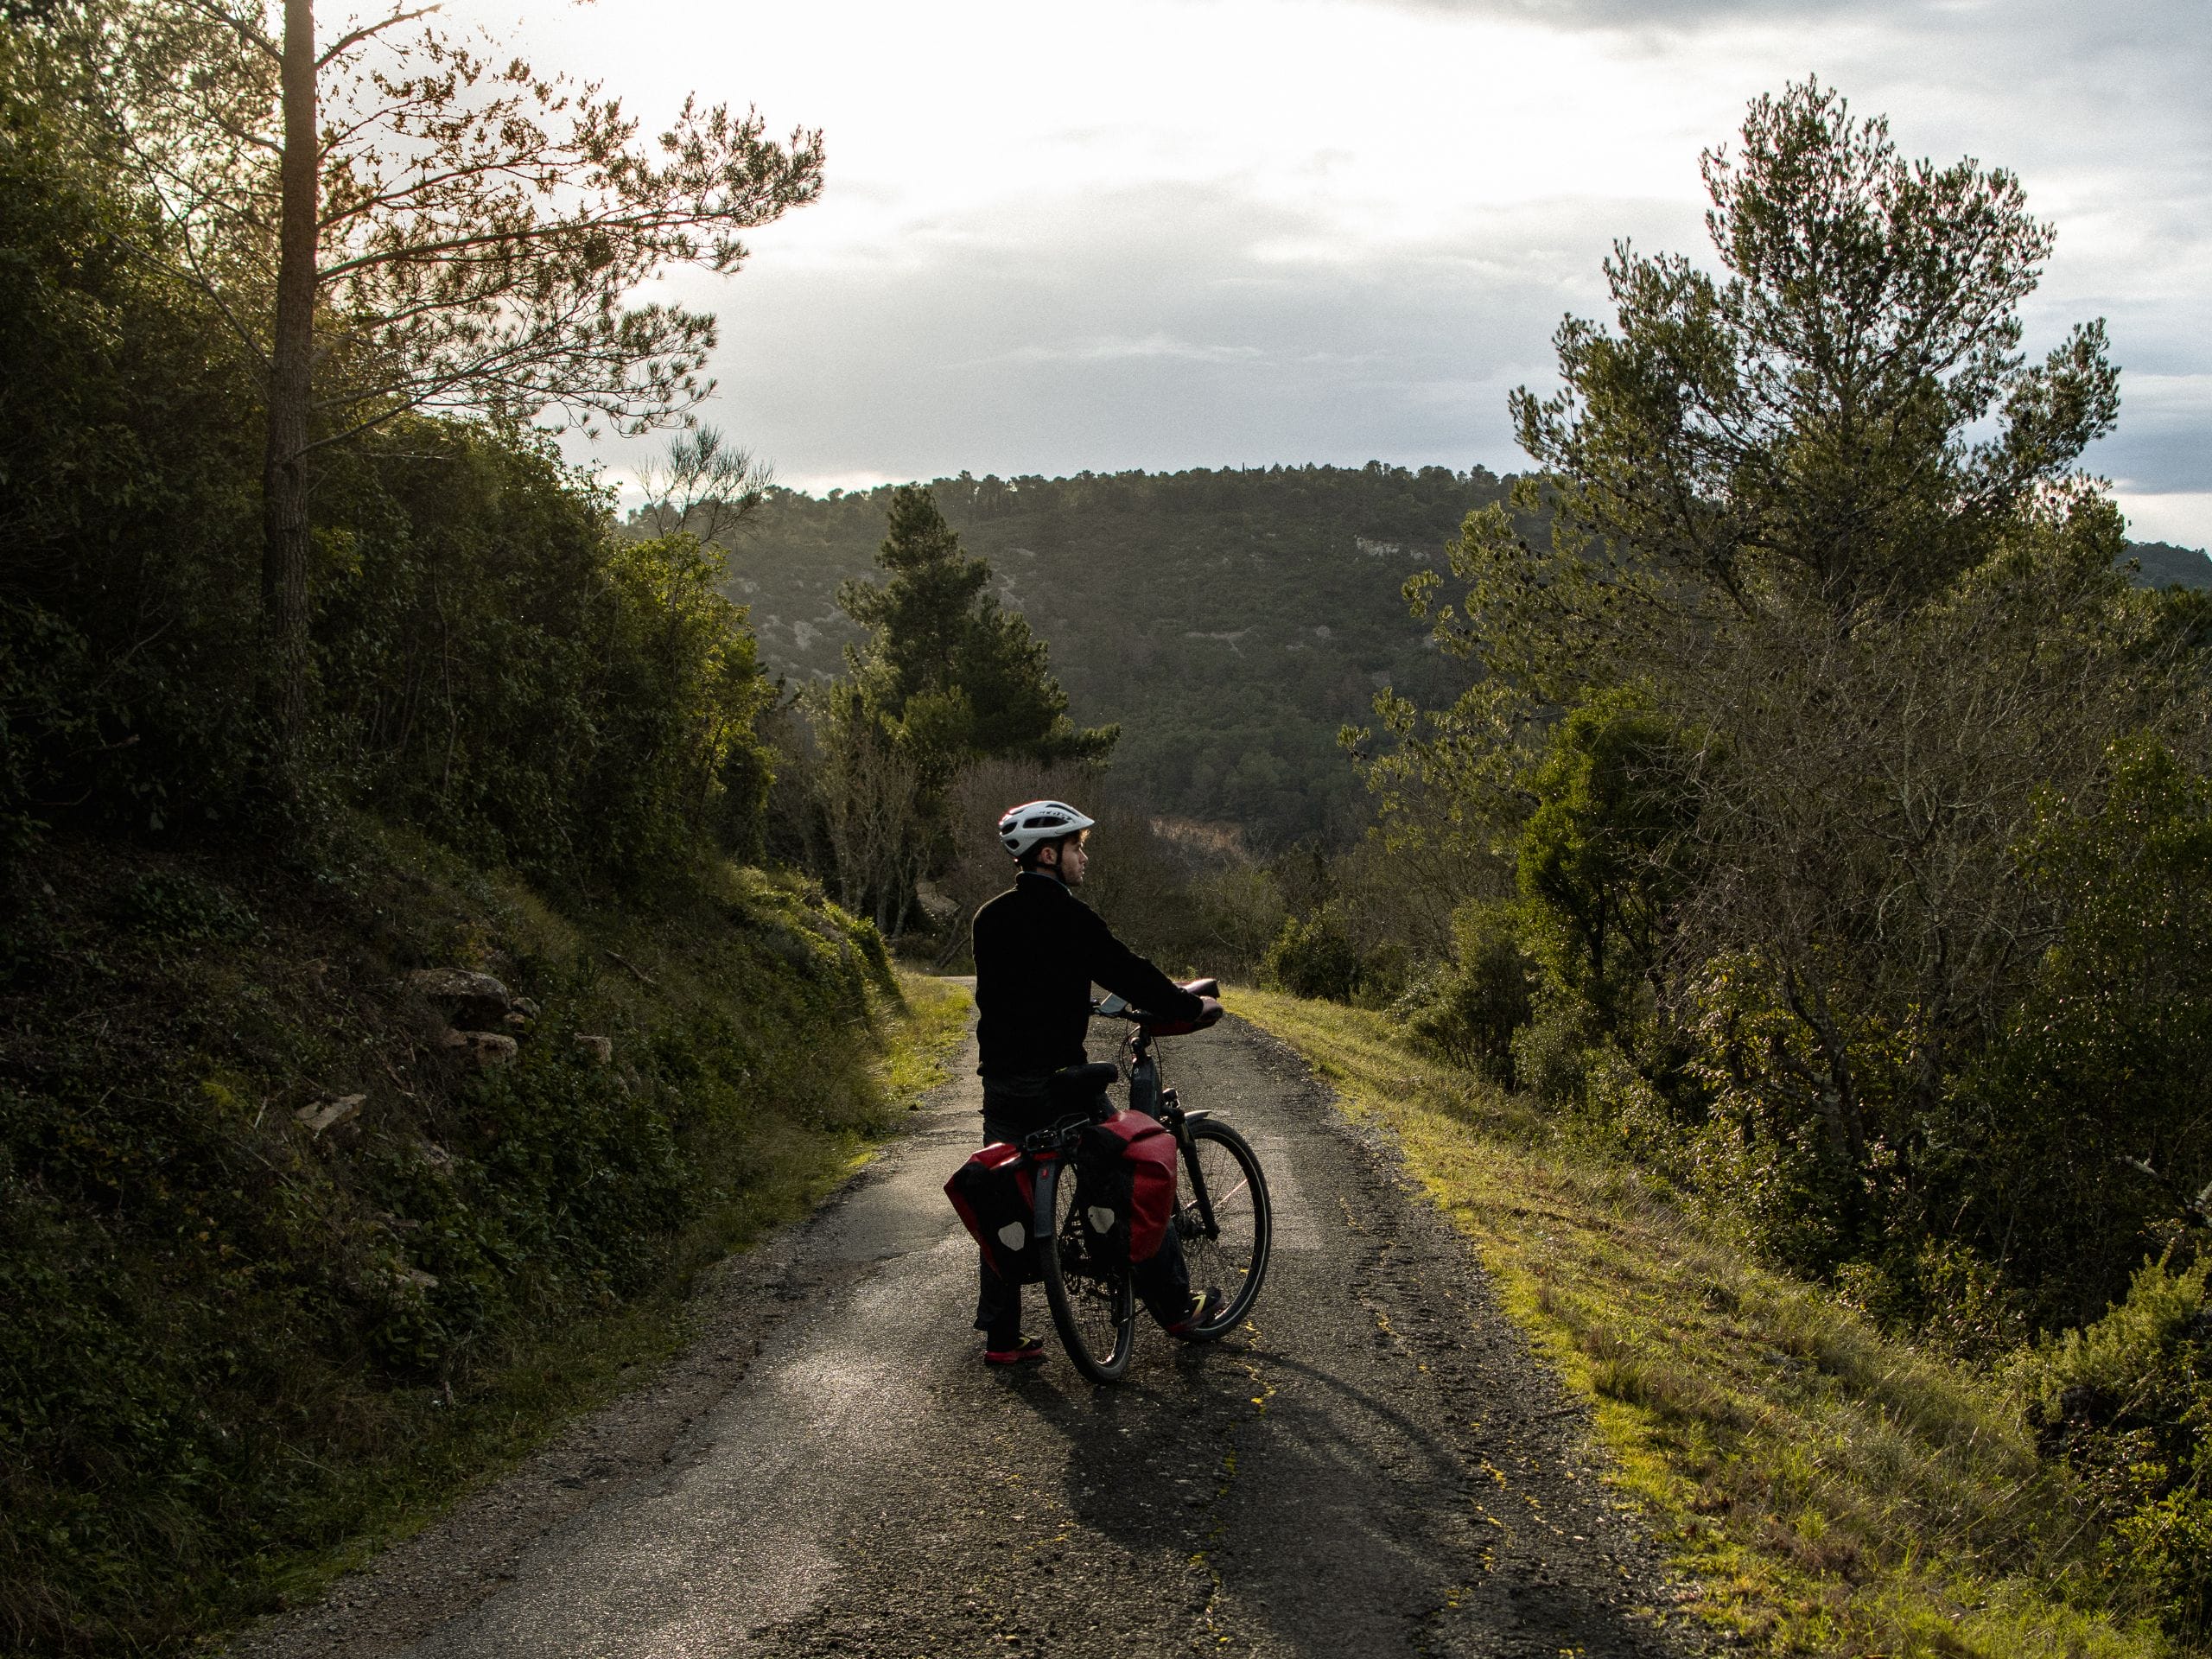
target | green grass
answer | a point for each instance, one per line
(1821, 1488)
(935, 1023)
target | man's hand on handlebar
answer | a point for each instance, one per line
(1206, 991)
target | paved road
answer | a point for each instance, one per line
(1373, 1466)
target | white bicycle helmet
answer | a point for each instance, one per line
(1025, 826)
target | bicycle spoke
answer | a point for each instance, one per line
(1222, 1201)
(1231, 1254)
(1092, 1303)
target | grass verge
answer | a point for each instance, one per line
(1821, 1488)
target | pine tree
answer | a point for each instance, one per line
(945, 668)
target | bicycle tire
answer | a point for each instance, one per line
(1094, 1305)
(1232, 1254)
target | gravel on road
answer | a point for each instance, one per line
(1373, 1464)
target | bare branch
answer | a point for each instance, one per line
(345, 43)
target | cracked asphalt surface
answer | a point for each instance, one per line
(1375, 1465)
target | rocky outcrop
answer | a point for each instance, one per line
(470, 1001)
(485, 1049)
(483, 1022)
(319, 1114)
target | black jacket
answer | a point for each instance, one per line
(1039, 949)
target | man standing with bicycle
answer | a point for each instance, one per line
(1039, 949)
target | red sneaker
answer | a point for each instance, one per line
(1206, 1308)
(1026, 1350)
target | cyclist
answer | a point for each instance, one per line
(1039, 949)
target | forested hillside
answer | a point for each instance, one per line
(1230, 621)
(2161, 564)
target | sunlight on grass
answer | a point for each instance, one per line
(918, 1056)
(1821, 1488)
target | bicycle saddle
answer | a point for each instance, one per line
(1078, 1086)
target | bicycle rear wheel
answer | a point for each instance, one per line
(1224, 1220)
(1094, 1305)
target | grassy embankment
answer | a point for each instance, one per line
(1822, 1488)
(241, 1354)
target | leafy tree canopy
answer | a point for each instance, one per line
(1841, 423)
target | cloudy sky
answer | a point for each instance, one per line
(1166, 233)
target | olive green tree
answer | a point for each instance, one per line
(946, 678)
(1818, 506)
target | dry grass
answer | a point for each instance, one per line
(1822, 1488)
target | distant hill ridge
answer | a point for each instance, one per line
(2161, 564)
(1231, 619)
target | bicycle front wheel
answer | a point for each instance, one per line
(1094, 1304)
(1225, 1221)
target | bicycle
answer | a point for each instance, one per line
(1222, 1216)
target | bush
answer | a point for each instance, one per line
(1597, 855)
(1312, 958)
(2127, 1403)
(229, 1340)
(1468, 1012)
(500, 669)
(127, 590)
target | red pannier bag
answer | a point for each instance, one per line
(1125, 1181)
(996, 1197)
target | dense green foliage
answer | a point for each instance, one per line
(1847, 801)
(246, 1324)
(945, 665)
(234, 1340)
(127, 470)
(497, 665)
(2128, 1402)
(946, 680)
(490, 659)
(1229, 622)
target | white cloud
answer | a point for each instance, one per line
(1167, 233)
(2184, 517)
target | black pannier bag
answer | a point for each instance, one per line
(995, 1194)
(1125, 1186)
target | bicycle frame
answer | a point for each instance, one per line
(1051, 1149)
(1075, 1277)
(1149, 1095)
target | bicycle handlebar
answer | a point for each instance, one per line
(1207, 991)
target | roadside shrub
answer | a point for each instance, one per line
(1553, 1049)
(499, 668)
(1242, 913)
(2108, 1049)
(1468, 1012)
(1597, 855)
(1312, 958)
(2127, 1401)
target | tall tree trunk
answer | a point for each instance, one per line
(284, 539)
